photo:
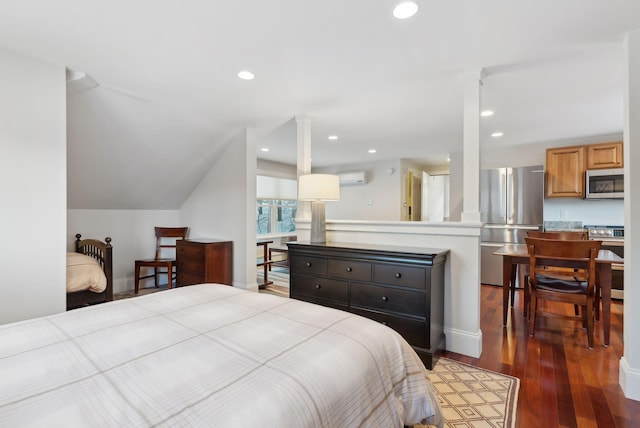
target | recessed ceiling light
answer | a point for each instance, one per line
(264, 149)
(487, 113)
(448, 159)
(246, 75)
(372, 151)
(405, 10)
(497, 134)
(333, 137)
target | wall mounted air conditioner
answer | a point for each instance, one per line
(352, 178)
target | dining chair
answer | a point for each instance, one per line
(166, 238)
(563, 235)
(578, 288)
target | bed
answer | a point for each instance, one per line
(89, 273)
(210, 355)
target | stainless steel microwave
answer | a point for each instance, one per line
(605, 184)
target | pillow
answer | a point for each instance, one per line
(84, 273)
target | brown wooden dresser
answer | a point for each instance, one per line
(204, 260)
(401, 287)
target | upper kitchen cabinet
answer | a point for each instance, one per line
(565, 169)
(605, 155)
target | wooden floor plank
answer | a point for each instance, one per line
(562, 382)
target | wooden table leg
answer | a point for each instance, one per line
(604, 277)
(507, 267)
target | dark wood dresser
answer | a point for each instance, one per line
(401, 287)
(204, 260)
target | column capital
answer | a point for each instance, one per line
(302, 118)
(473, 76)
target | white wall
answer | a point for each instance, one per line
(591, 212)
(131, 232)
(222, 206)
(629, 373)
(33, 184)
(276, 169)
(379, 199)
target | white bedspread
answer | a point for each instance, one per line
(209, 356)
(84, 273)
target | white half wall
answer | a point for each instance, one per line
(462, 268)
(33, 185)
(223, 206)
(132, 235)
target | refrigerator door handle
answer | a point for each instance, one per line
(503, 194)
(509, 195)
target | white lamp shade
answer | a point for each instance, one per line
(318, 187)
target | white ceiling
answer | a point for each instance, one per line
(168, 95)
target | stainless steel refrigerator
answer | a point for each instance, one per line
(510, 205)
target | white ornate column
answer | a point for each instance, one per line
(471, 147)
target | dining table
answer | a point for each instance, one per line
(517, 254)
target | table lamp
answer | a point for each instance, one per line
(318, 188)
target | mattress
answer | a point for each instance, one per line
(210, 355)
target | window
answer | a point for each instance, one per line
(275, 216)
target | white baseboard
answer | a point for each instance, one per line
(629, 379)
(464, 342)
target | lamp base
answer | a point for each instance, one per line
(318, 226)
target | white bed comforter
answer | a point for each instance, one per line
(210, 356)
(84, 273)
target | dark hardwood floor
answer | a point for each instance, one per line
(563, 383)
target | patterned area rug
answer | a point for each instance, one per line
(474, 397)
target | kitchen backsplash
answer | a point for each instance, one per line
(550, 226)
(604, 212)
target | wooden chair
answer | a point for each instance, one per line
(578, 289)
(563, 235)
(166, 238)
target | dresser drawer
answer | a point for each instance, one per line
(190, 251)
(305, 265)
(190, 265)
(352, 270)
(401, 275)
(388, 299)
(186, 278)
(319, 288)
(412, 330)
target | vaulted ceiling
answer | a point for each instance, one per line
(167, 97)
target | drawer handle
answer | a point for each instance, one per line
(385, 299)
(308, 264)
(318, 286)
(398, 275)
(349, 269)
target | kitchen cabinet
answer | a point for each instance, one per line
(564, 172)
(565, 167)
(400, 287)
(605, 155)
(203, 261)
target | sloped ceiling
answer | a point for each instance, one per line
(168, 97)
